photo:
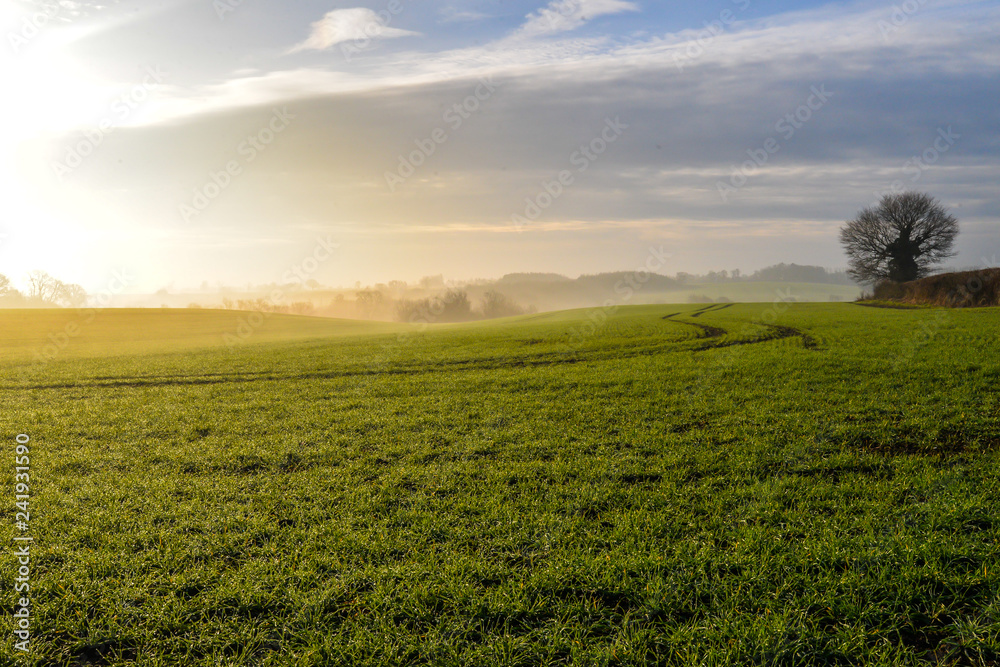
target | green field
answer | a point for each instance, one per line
(801, 484)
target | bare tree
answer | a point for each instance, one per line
(900, 240)
(42, 287)
(456, 306)
(370, 302)
(9, 295)
(70, 295)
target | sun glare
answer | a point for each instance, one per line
(53, 95)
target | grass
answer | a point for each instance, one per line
(31, 336)
(802, 484)
(885, 303)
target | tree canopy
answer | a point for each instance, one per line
(901, 239)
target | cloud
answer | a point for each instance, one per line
(738, 66)
(344, 25)
(564, 15)
(697, 109)
(453, 15)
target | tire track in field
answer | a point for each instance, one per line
(453, 365)
(776, 332)
(710, 335)
(714, 308)
(707, 331)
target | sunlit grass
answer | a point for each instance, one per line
(754, 484)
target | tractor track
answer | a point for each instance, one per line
(707, 331)
(714, 308)
(712, 334)
(710, 337)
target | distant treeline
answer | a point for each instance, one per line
(779, 273)
(451, 305)
(43, 291)
(433, 299)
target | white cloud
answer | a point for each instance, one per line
(564, 15)
(796, 46)
(453, 15)
(344, 25)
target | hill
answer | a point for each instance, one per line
(44, 335)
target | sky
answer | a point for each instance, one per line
(166, 143)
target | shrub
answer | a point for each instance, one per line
(967, 289)
(496, 305)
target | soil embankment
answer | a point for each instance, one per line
(968, 289)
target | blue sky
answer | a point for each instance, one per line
(432, 137)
